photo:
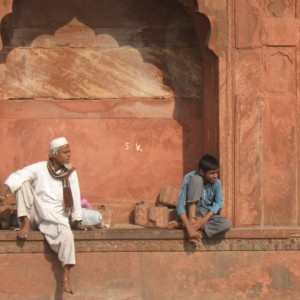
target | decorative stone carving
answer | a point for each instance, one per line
(156, 245)
(280, 8)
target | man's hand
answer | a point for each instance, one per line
(79, 226)
(3, 193)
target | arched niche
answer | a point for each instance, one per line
(178, 94)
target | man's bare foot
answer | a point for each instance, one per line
(66, 280)
(25, 228)
(175, 225)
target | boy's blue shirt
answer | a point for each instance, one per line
(211, 199)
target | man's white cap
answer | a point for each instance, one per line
(58, 142)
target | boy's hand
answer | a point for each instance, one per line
(193, 234)
(198, 223)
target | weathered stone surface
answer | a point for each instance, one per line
(81, 53)
(73, 74)
(139, 269)
(279, 32)
(249, 177)
(111, 60)
(83, 36)
(249, 264)
(280, 8)
(249, 22)
(133, 238)
(5, 8)
(105, 13)
(147, 155)
(217, 14)
(145, 276)
(280, 170)
(179, 109)
(279, 70)
(248, 72)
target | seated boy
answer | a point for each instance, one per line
(200, 200)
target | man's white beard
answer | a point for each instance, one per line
(68, 166)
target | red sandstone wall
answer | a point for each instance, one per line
(257, 47)
(144, 275)
(109, 81)
(257, 43)
(120, 79)
(265, 78)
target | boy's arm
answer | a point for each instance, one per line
(194, 236)
(192, 211)
(218, 202)
(201, 221)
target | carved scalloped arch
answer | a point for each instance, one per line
(5, 9)
(216, 12)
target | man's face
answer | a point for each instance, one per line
(64, 155)
(210, 176)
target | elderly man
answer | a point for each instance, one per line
(47, 194)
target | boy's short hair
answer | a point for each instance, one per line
(208, 163)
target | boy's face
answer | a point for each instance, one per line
(210, 176)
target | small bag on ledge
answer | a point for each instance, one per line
(141, 213)
(158, 216)
(169, 196)
(106, 214)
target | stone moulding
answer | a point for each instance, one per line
(159, 240)
(216, 15)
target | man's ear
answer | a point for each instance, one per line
(202, 173)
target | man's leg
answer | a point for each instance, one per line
(66, 284)
(61, 240)
(175, 224)
(25, 227)
(26, 211)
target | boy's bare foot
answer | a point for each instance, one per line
(66, 280)
(175, 225)
(25, 228)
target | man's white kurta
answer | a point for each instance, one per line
(49, 203)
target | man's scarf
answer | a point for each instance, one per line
(64, 176)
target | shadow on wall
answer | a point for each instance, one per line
(117, 50)
(164, 38)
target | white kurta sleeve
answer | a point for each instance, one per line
(16, 179)
(74, 183)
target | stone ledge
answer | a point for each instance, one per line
(135, 232)
(131, 238)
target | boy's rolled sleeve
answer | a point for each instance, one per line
(218, 203)
(195, 189)
(181, 204)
